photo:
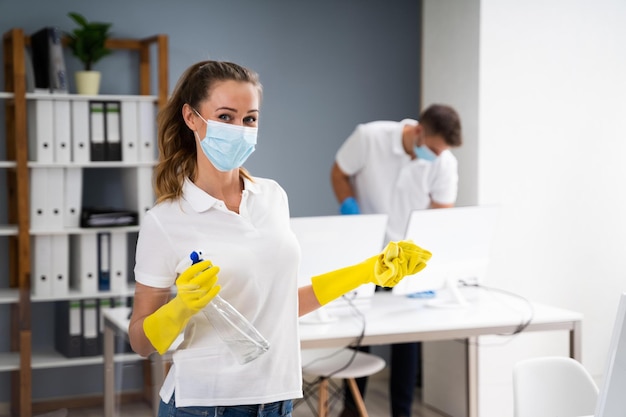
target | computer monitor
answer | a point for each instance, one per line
(329, 243)
(611, 400)
(460, 240)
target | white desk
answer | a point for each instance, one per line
(393, 319)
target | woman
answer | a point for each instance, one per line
(207, 201)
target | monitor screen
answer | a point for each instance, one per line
(611, 402)
(333, 242)
(329, 243)
(459, 239)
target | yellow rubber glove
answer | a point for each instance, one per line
(196, 287)
(386, 269)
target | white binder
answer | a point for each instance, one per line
(145, 194)
(119, 261)
(40, 217)
(41, 264)
(73, 194)
(40, 130)
(55, 195)
(60, 265)
(147, 131)
(84, 263)
(80, 131)
(130, 132)
(62, 139)
(137, 194)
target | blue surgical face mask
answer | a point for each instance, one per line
(424, 152)
(227, 146)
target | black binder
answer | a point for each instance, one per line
(48, 60)
(105, 130)
(68, 328)
(90, 324)
(113, 130)
(97, 134)
(104, 261)
(107, 217)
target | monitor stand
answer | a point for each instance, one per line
(454, 298)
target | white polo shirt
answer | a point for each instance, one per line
(258, 256)
(385, 178)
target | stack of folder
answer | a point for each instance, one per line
(88, 263)
(65, 129)
(79, 327)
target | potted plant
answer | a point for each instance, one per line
(87, 43)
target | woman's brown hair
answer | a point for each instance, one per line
(177, 145)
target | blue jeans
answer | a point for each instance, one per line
(277, 409)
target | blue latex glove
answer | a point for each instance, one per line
(349, 206)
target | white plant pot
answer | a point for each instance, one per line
(88, 82)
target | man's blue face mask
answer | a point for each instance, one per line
(424, 152)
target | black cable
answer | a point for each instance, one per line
(354, 346)
(524, 323)
(309, 388)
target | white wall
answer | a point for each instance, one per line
(450, 76)
(551, 140)
(552, 144)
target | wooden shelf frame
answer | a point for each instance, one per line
(17, 165)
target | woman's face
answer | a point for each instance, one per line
(232, 102)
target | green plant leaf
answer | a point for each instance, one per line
(87, 42)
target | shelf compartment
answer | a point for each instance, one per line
(50, 359)
(77, 295)
(9, 361)
(8, 230)
(9, 295)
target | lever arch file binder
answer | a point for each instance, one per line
(40, 131)
(96, 131)
(84, 263)
(147, 131)
(62, 139)
(104, 261)
(41, 264)
(113, 131)
(130, 131)
(119, 261)
(81, 151)
(60, 265)
(68, 328)
(73, 192)
(91, 345)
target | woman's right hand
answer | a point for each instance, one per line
(196, 287)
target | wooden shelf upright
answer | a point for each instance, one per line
(18, 213)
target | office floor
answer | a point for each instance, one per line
(376, 401)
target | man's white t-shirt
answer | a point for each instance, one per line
(385, 178)
(258, 257)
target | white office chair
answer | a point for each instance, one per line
(345, 364)
(553, 386)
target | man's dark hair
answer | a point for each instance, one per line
(439, 119)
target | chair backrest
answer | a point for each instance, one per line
(553, 386)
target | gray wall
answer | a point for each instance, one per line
(325, 66)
